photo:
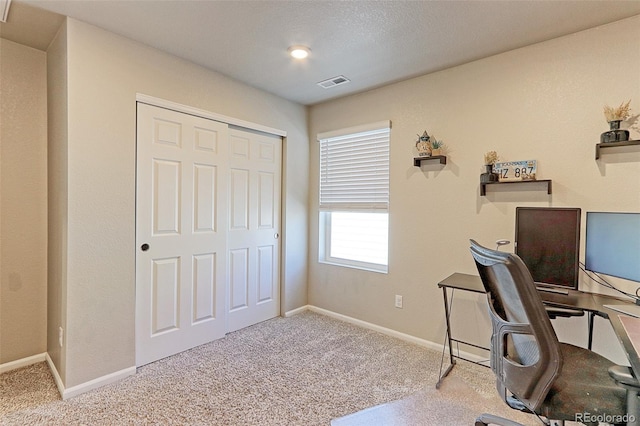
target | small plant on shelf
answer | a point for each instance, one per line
(437, 147)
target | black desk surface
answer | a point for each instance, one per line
(464, 282)
(575, 299)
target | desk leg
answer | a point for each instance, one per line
(452, 361)
(591, 315)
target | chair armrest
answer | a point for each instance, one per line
(624, 376)
(555, 312)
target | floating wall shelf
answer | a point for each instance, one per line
(547, 182)
(613, 144)
(441, 159)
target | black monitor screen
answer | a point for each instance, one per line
(613, 244)
(548, 242)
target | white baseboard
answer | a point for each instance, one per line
(98, 383)
(24, 362)
(67, 393)
(296, 311)
(56, 376)
(393, 333)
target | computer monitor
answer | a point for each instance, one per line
(548, 242)
(613, 244)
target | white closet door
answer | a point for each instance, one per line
(181, 227)
(254, 228)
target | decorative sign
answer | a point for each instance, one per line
(513, 171)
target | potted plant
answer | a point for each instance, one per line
(437, 147)
(490, 158)
(614, 117)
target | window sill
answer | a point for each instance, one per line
(378, 269)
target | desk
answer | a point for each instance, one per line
(589, 302)
(464, 282)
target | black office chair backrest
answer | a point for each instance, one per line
(525, 352)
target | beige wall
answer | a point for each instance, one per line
(23, 201)
(541, 102)
(104, 73)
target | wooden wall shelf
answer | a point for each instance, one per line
(441, 159)
(613, 145)
(547, 182)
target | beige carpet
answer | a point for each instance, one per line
(455, 403)
(304, 370)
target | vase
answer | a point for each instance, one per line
(615, 134)
(488, 176)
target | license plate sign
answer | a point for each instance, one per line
(514, 171)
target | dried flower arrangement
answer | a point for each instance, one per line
(617, 114)
(490, 158)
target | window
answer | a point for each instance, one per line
(354, 197)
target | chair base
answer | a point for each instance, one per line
(624, 378)
(490, 419)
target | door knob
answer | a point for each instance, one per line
(276, 235)
(144, 247)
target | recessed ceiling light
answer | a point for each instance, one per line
(299, 52)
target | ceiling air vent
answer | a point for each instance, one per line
(332, 82)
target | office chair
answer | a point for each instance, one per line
(535, 372)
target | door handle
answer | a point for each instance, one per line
(144, 247)
(276, 235)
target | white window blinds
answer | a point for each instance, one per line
(354, 168)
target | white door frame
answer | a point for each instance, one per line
(163, 103)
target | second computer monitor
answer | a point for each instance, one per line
(548, 241)
(612, 244)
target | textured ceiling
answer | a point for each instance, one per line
(372, 43)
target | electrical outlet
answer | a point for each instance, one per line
(60, 336)
(398, 301)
